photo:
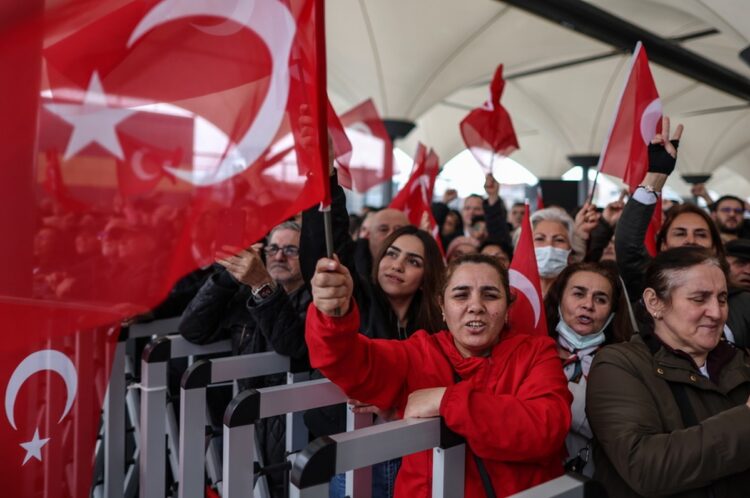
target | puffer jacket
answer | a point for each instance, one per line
(222, 309)
(643, 446)
(513, 407)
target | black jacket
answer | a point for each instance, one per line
(223, 308)
(632, 259)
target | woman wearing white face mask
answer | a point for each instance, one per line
(553, 243)
(586, 309)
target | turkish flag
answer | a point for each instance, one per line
(527, 312)
(342, 147)
(488, 130)
(55, 186)
(371, 162)
(54, 372)
(637, 120)
(415, 196)
(165, 120)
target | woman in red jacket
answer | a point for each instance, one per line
(512, 404)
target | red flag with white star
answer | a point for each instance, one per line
(637, 119)
(414, 198)
(527, 311)
(371, 161)
(159, 120)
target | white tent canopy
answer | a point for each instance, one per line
(430, 61)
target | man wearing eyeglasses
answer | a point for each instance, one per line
(260, 307)
(728, 213)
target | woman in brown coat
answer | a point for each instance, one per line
(670, 410)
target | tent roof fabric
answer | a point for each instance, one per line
(430, 61)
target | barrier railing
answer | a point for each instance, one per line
(327, 456)
(566, 486)
(331, 455)
(117, 483)
(247, 408)
(312, 469)
(153, 420)
(193, 408)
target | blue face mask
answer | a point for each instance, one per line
(551, 260)
(582, 341)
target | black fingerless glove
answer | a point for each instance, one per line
(659, 160)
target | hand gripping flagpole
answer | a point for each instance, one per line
(323, 139)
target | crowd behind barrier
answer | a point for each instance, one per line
(183, 458)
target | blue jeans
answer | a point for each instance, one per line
(383, 480)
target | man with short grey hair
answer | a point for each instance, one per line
(260, 307)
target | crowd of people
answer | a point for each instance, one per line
(642, 381)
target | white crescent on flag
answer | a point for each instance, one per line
(519, 282)
(650, 118)
(136, 163)
(275, 25)
(39, 361)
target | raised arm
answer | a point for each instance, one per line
(495, 213)
(369, 370)
(312, 238)
(631, 254)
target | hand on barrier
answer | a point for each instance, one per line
(360, 407)
(424, 403)
(662, 152)
(332, 287)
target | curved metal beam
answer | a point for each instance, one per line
(596, 23)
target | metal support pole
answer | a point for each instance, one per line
(239, 448)
(296, 431)
(448, 471)
(114, 427)
(358, 481)
(153, 412)
(192, 441)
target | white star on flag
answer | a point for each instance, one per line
(34, 447)
(93, 120)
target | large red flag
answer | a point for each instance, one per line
(372, 151)
(414, 198)
(104, 79)
(637, 120)
(342, 147)
(488, 130)
(527, 312)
